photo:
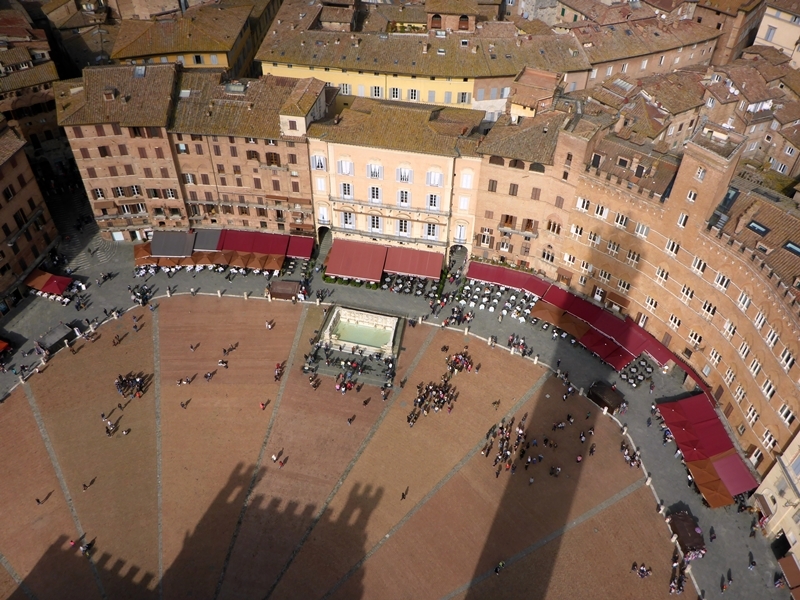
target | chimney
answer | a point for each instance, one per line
(424, 47)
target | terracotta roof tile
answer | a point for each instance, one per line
(787, 6)
(36, 75)
(142, 96)
(616, 42)
(676, 92)
(15, 56)
(603, 14)
(747, 79)
(452, 7)
(10, 144)
(730, 7)
(493, 50)
(770, 53)
(401, 126)
(532, 139)
(786, 112)
(782, 223)
(660, 168)
(213, 28)
(251, 109)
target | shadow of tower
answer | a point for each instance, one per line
(267, 534)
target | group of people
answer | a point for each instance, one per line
(140, 294)
(440, 396)
(132, 385)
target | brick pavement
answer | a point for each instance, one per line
(731, 528)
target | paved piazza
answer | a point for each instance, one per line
(191, 505)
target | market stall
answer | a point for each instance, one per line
(688, 535)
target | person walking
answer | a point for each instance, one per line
(183, 405)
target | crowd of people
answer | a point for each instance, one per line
(441, 396)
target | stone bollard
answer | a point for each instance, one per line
(317, 301)
(219, 293)
(269, 297)
(605, 408)
(419, 320)
(648, 481)
(536, 359)
(624, 429)
(246, 294)
(489, 341)
(466, 330)
(169, 293)
(580, 393)
(674, 538)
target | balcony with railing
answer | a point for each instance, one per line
(391, 237)
(390, 207)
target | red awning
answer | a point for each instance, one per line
(555, 295)
(4, 345)
(791, 570)
(619, 358)
(47, 282)
(583, 309)
(633, 338)
(598, 343)
(713, 437)
(356, 260)
(697, 408)
(271, 243)
(418, 263)
(507, 277)
(37, 279)
(734, 473)
(609, 325)
(239, 241)
(300, 247)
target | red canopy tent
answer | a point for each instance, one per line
(555, 295)
(300, 247)
(57, 285)
(734, 473)
(507, 277)
(356, 260)
(619, 358)
(271, 243)
(417, 263)
(239, 241)
(609, 325)
(47, 282)
(583, 309)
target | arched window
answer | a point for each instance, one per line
(496, 160)
(463, 23)
(516, 164)
(273, 159)
(436, 22)
(536, 167)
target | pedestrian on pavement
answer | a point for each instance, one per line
(39, 502)
(274, 458)
(183, 405)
